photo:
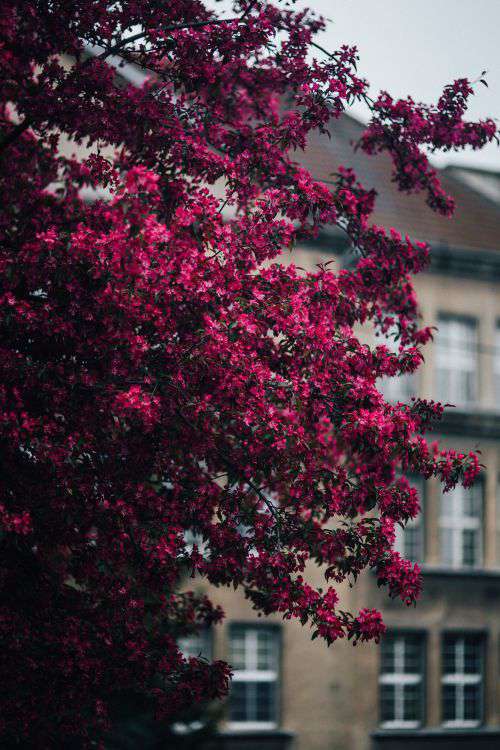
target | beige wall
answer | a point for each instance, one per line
(477, 298)
(330, 695)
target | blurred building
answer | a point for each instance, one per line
(434, 682)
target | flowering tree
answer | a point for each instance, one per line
(162, 372)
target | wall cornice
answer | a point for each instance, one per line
(467, 263)
(481, 424)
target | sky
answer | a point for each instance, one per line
(416, 47)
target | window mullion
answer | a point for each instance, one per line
(253, 701)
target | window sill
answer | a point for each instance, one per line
(237, 727)
(229, 731)
(252, 739)
(438, 732)
(409, 726)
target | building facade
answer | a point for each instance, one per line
(434, 681)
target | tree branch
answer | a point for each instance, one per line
(175, 27)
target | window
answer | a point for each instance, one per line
(400, 388)
(197, 644)
(496, 366)
(456, 360)
(401, 680)
(254, 657)
(192, 538)
(462, 680)
(461, 527)
(194, 645)
(410, 539)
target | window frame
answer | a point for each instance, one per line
(205, 636)
(418, 522)
(192, 538)
(468, 679)
(474, 323)
(496, 366)
(256, 675)
(398, 388)
(456, 524)
(404, 724)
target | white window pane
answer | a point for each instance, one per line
(266, 650)
(462, 680)
(253, 702)
(409, 540)
(254, 657)
(387, 703)
(192, 538)
(448, 502)
(472, 702)
(449, 703)
(470, 541)
(197, 644)
(456, 360)
(448, 545)
(237, 651)
(403, 387)
(401, 680)
(473, 501)
(496, 366)
(415, 543)
(412, 709)
(461, 526)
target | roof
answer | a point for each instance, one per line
(484, 181)
(128, 72)
(475, 224)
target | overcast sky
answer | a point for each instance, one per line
(417, 46)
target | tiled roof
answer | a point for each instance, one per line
(482, 180)
(475, 224)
